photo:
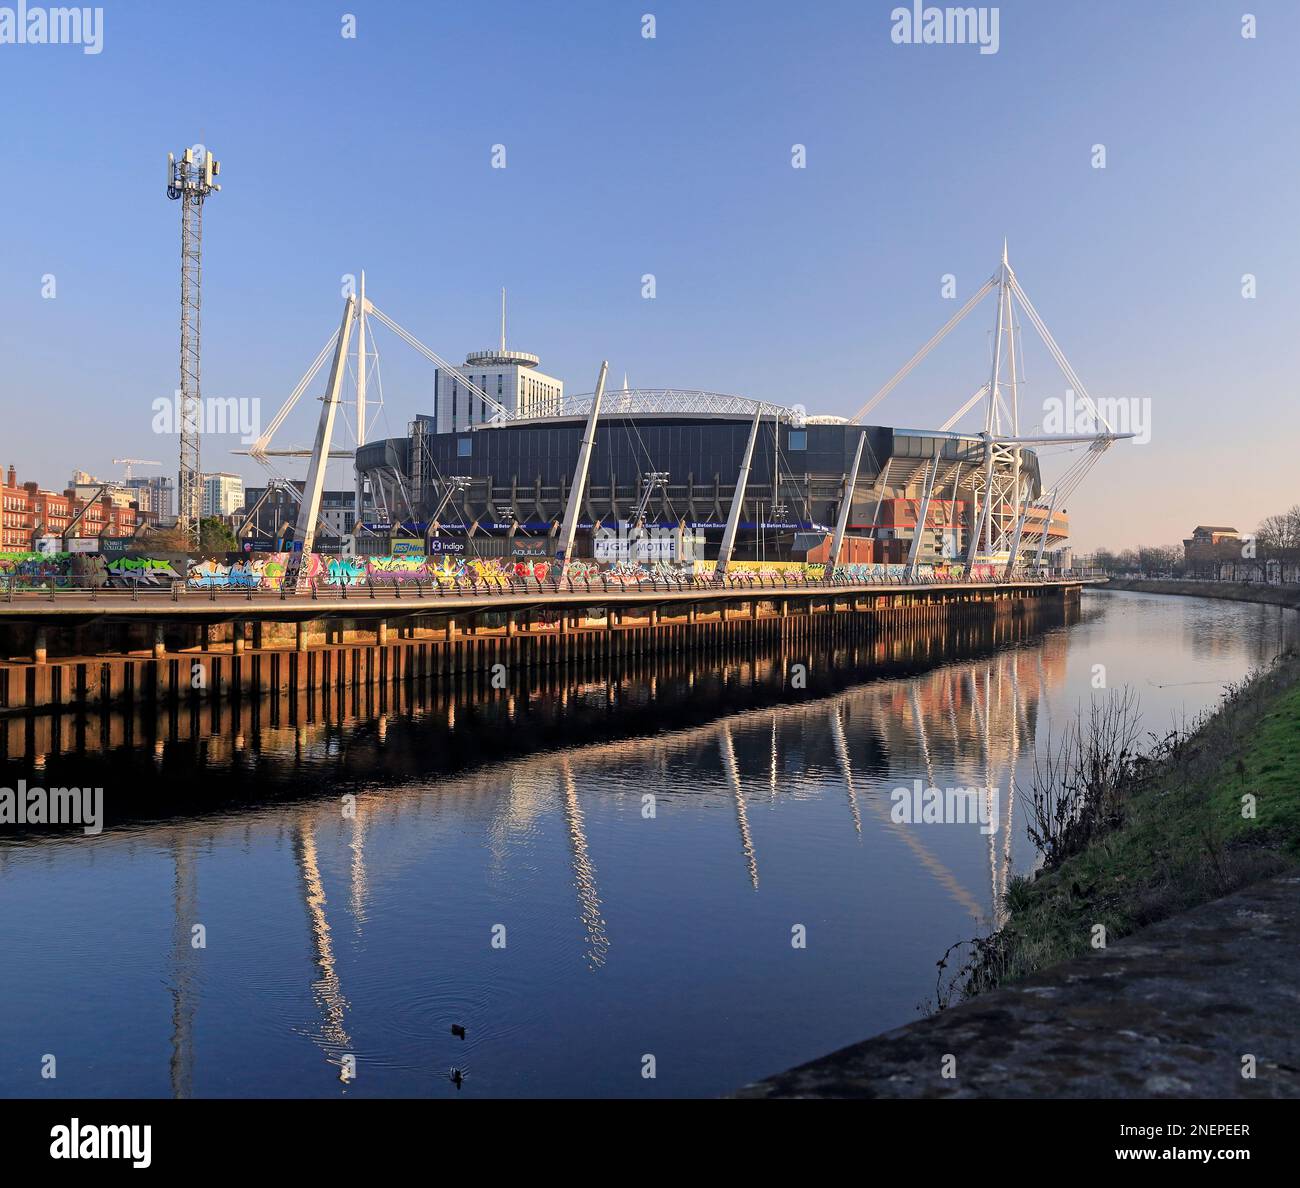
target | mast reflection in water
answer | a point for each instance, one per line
(588, 867)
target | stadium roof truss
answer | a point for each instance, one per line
(999, 489)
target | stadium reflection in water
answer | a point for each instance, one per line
(583, 869)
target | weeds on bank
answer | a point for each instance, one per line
(1130, 834)
(1079, 786)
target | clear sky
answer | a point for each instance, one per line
(672, 156)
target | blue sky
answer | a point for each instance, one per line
(671, 156)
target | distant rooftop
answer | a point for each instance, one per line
(501, 358)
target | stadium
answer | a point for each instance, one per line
(669, 462)
(687, 476)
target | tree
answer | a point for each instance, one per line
(1157, 559)
(164, 540)
(1280, 531)
(216, 537)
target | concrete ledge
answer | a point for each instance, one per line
(1229, 591)
(1170, 1011)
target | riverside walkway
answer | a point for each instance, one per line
(176, 600)
(1183, 1008)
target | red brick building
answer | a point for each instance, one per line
(15, 516)
(29, 512)
(1209, 545)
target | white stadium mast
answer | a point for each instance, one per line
(358, 310)
(1000, 490)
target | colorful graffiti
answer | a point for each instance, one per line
(875, 572)
(270, 571)
(43, 571)
(35, 570)
(261, 573)
(141, 571)
(336, 571)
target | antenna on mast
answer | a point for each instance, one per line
(503, 319)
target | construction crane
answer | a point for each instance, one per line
(129, 462)
(189, 181)
(93, 501)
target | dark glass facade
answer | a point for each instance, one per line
(521, 472)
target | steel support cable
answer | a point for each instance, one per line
(1059, 355)
(436, 359)
(776, 485)
(939, 336)
(1066, 484)
(1066, 479)
(1003, 405)
(965, 408)
(645, 449)
(1090, 460)
(1069, 482)
(287, 407)
(1049, 504)
(287, 485)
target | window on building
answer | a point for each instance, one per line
(464, 447)
(798, 439)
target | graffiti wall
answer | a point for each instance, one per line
(41, 571)
(268, 572)
(36, 570)
(792, 570)
(446, 570)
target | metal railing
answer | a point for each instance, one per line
(513, 587)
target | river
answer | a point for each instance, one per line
(688, 867)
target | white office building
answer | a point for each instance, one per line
(510, 378)
(223, 494)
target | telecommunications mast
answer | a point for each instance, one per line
(189, 181)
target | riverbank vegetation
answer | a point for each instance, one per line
(1130, 834)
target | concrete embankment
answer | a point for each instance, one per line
(1190, 881)
(1231, 591)
(1200, 1005)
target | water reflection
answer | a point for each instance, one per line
(584, 873)
(333, 1035)
(183, 972)
(646, 836)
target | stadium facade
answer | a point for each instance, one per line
(670, 460)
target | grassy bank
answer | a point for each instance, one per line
(1180, 828)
